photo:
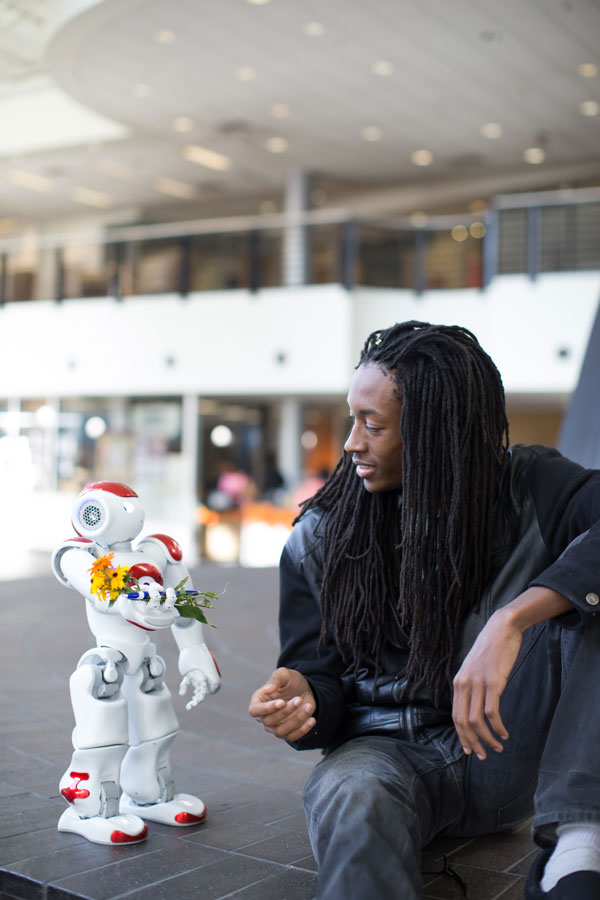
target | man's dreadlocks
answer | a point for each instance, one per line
(422, 554)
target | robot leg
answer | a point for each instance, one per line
(91, 783)
(146, 777)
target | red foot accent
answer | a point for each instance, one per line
(76, 793)
(72, 794)
(188, 819)
(119, 837)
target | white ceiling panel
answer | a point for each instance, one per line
(454, 66)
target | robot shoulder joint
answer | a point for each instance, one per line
(168, 545)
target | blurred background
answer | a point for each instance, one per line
(205, 207)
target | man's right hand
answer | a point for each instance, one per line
(285, 705)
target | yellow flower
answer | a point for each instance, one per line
(116, 578)
(97, 584)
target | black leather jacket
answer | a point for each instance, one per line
(546, 532)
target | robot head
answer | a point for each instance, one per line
(108, 512)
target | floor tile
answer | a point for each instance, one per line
(253, 844)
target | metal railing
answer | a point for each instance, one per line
(521, 233)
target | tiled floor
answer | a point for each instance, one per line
(253, 845)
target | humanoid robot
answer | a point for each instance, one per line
(124, 719)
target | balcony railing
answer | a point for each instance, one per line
(523, 233)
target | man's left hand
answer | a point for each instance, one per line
(480, 682)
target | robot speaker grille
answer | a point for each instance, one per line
(91, 514)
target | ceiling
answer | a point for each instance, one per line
(100, 106)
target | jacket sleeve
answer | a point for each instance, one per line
(299, 630)
(567, 501)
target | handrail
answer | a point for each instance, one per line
(283, 220)
(222, 225)
(562, 197)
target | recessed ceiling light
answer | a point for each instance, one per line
(114, 169)
(280, 110)
(208, 158)
(534, 155)
(589, 108)
(141, 90)
(88, 197)
(313, 29)
(491, 130)
(31, 180)
(421, 157)
(419, 219)
(245, 73)
(164, 36)
(276, 144)
(175, 188)
(477, 230)
(258, 2)
(182, 124)
(383, 67)
(587, 70)
(371, 133)
(460, 233)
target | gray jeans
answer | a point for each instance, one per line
(374, 802)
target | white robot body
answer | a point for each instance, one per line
(124, 719)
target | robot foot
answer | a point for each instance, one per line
(183, 809)
(121, 829)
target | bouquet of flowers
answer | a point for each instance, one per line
(109, 582)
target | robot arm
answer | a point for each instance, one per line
(71, 563)
(196, 663)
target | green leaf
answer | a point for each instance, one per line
(179, 586)
(192, 611)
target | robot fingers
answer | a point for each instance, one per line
(154, 591)
(170, 598)
(198, 682)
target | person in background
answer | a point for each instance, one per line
(236, 485)
(439, 631)
(273, 482)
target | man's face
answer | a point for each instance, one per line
(374, 441)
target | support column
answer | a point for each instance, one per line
(289, 448)
(190, 465)
(295, 235)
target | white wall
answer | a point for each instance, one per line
(278, 342)
(231, 342)
(522, 324)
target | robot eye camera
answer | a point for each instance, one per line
(108, 511)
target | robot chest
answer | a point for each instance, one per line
(140, 566)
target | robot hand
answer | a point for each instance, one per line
(170, 598)
(153, 611)
(154, 590)
(157, 593)
(199, 683)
